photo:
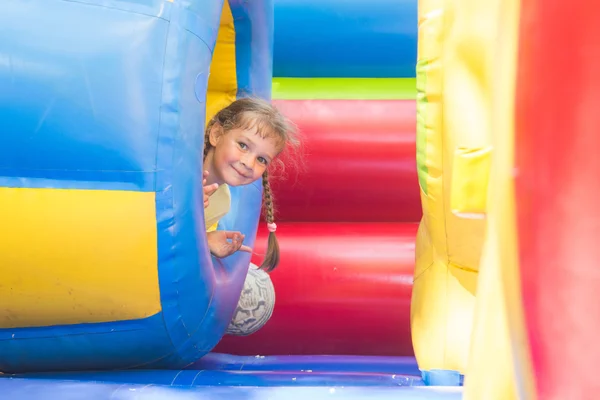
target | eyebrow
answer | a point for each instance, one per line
(246, 136)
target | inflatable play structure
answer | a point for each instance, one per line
(429, 221)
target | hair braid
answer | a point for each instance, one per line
(207, 145)
(272, 257)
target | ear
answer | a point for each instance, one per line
(215, 134)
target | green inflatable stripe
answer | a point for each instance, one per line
(422, 169)
(344, 89)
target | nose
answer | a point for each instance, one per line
(248, 161)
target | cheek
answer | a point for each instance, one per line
(225, 154)
(259, 171)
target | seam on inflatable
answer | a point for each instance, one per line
(202, 40)
(424, 270)
(92, 4)
(461, 267)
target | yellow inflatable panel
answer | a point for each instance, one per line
(452, 96)
(107, 270)
(222, 82)
(499, 340)
(470, 181)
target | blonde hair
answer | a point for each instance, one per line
(248, 113)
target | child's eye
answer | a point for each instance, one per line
(262, 160)
(243, 145)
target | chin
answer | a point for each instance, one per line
(236, 181)
(239, 183)
(231, 183)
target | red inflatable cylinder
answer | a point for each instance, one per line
(360, 162)
(340, 289)
(557, 192)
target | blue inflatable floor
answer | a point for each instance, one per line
(219, 376)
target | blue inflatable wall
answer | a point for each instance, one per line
(346, 38)
(104, 261)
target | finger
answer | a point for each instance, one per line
(237, 242)
(210, 189)
(232, 234)
(246, 248)
(205, 174)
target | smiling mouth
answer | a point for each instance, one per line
(239, 173)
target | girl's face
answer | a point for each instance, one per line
(240, 156)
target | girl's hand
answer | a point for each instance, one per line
(208, 190)
(220, 245)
